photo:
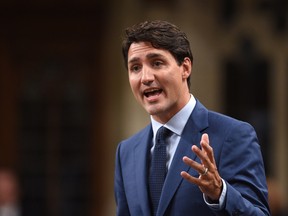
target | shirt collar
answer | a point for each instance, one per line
(177, 123)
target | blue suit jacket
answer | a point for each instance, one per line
(239, 161)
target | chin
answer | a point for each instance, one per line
(154, 110)
(150, 110)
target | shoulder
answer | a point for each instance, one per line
(222, 118)
(137, 143)
(217, 121)
(236, 135)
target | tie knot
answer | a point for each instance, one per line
(162, 134)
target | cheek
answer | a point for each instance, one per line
(174, 81)
(134, 85)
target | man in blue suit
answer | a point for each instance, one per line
(214, 162)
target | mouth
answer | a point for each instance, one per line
(152, 92)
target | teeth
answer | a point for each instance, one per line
(151, 90)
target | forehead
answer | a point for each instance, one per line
(142, 50)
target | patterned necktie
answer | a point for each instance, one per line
(158, 168)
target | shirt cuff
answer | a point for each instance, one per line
(220, 205)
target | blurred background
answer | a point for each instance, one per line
(65, 101)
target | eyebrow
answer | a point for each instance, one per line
(135, 59)
(149, 56)
(154, 55)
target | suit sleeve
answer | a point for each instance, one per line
(241, 166)
(120, 197)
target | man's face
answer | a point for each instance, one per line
(158, 83)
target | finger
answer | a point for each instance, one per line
(190, 178)
(202, 155)
(196, 166)
(207, 148)
(205, 138)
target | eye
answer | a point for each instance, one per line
(135, 68)
(157, 63)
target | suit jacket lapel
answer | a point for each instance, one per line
(191, 136)
(141, 158)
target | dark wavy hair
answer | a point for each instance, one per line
(161, 35)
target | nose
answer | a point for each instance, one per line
(147, 76)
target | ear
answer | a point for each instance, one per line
(187, 68)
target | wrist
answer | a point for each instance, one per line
(215, 200)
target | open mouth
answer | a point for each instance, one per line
(152, 92)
